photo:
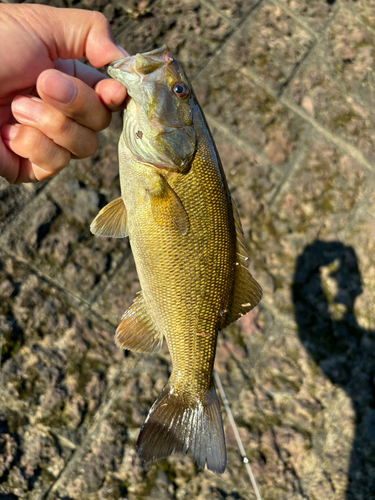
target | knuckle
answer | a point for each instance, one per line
(63, 126)
(93, 145)
(67, 160)
(55, 124)
(98, 117)
(40, 174)
(44, 152)
(88, 146)
(100, 19)
(61, 159)
(108, 119)
(41, 151)
(105, 121)
(32, 140)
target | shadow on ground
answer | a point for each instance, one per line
(326, 284)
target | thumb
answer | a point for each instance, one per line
(75, 33)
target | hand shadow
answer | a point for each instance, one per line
(326, 283)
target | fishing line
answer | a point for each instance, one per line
(225, 401)
(245, 459)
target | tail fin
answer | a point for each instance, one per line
(176, 423)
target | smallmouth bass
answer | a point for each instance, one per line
(189, 249)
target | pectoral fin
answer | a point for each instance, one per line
(137, 330)
(167, 208)
(246, 295)
(111, 220)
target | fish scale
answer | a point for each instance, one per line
(189, 250)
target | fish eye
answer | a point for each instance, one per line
(181, 90)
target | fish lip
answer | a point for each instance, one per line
(114, 66)
(119, 68)
(118, 62)
(158, 51)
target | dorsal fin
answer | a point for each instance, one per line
(137, 330)
(246, 292)
(111, 220)
(246, 295)
(242, 254)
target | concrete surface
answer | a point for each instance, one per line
(288, 88)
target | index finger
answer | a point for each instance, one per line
(111, 92)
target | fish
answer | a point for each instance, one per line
(189, 249)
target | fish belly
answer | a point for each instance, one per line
(186, 281)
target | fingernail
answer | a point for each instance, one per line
(59, 88)
(27, 108)
(126, 54)
(9, 132)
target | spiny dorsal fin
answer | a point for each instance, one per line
(246, 295)
(167, 208)
(137, 330)
(242, 254)
(111, 220)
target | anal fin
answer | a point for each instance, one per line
(111, 220)
(137, 330)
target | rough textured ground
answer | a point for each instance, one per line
(288, 87)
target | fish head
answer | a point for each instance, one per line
(162, 107)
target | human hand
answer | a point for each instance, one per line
(51, 105)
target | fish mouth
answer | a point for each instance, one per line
(140, 64)
(118, 62)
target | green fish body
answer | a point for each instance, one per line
(189, 251)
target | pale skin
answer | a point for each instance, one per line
(51, 105)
